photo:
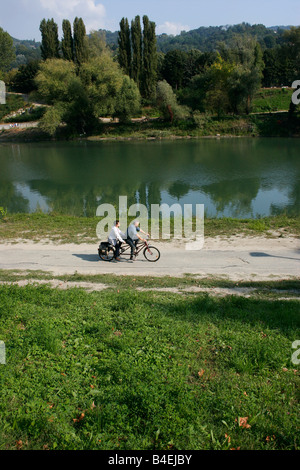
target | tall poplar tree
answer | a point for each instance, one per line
(7, 50)
(137, 50)
(149, 58)
(50, 42)
(67, 41)
(124, 42)
(80, 41)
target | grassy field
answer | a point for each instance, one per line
(272, 99)
(122, 369)
(71, 229)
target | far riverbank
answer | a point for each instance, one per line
(276, 124)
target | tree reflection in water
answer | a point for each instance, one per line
(226, 174)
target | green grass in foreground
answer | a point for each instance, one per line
(72, 229)
(144, 370)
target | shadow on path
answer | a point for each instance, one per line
(259, 254)
(88, 257)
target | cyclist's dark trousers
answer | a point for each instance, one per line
(132, 244)
(117, 249)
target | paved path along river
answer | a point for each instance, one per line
(236, 259)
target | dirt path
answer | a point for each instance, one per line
(19, 125)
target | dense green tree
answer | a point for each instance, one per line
(246, 55)
(137, 50)
(128, 100)
(149, 58)
(7, 52)
(52, 119)
(160, 62)
(269, 41)
(281, 68)
(96, 44)
(216, 85)
(67, 41)
(80, 41)
(173, 68)
(53, 80)
(224, 87)
(271, 71)
(290, 54)
(205, 91)
(241, 50)
(103, 79)
(61, 88)
(78, 114)
(50, 42)
(124, 43)
(178, 67)
(9, 77)
(195, 63)
(193, 95)
(292, 39)
(24, 80)
(167, 103)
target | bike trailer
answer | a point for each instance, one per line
(104, 247)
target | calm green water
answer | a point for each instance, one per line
(231, 177)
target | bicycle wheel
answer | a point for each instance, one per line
(151, 254)
(107, 255)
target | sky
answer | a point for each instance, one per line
(21, 18)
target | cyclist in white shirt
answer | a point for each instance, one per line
(115, 238)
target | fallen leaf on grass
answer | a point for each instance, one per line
(117, 333)
(243, 423)
(76, 420)
(19, 444)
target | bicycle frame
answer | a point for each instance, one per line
(126, 251)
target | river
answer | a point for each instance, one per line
(232, 177)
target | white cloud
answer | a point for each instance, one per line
(171, 28)
(92, 14)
